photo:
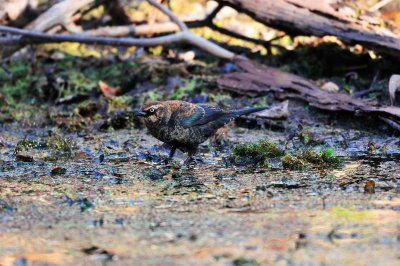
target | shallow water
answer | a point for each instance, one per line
(112, 202)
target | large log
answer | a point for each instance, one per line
(253, 79)
(320, 18)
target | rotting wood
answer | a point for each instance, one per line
(253, 79)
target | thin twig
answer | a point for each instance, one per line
(214, 13)
(171, 15)
(208, 22)
(39, 37)
(379, 5)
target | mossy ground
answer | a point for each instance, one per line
(261, 152)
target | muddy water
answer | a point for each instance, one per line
(110, 203)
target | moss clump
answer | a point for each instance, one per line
(264, 152)
(293, 162)
(323, 158)
(58, 143)
(87, 108)
(27, 144)
(255, 152)
(184, 90)
(263, 148)
(119, 102)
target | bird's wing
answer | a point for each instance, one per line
(202, 114)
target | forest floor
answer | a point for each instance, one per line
(83, 183)
(109, 200)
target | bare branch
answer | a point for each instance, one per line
(171, 15)
(34, 37)
(214, 13)
(39, 37)
(60, 13)
(139, 30)
(168, 27)
(31, 37)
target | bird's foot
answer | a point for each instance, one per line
(193, 161)
(170, 157)
(189, 161)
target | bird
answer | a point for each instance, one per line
(184, 125)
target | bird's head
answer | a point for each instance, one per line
(153, 113)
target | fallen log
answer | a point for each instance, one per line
(253, 79)
(320, 18)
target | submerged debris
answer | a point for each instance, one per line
(155, 174)
(24, 158)
(58, 170)
(99, 253)
(245, 262)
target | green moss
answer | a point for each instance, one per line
(58, 143)
(26, 82)
(27, 144)
(257, 152)
(293, 162)
(264, 152)
(184, 90)
(265, 148)
(87, 108)
(323, 158)
(15, 82)
(153, 95)
(119, 102)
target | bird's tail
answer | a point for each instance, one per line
(250, 110)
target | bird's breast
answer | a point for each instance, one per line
(178, 134)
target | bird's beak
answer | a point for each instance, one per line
(139, 113)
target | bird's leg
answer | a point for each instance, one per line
(189, 160)
(190, 157)
(171, 155)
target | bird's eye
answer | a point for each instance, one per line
(151, 110)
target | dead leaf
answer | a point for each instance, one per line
(394, 84)
(107, 90)
(369, 187)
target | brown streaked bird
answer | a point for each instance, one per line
(183, 125)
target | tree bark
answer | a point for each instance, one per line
(320, 18)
